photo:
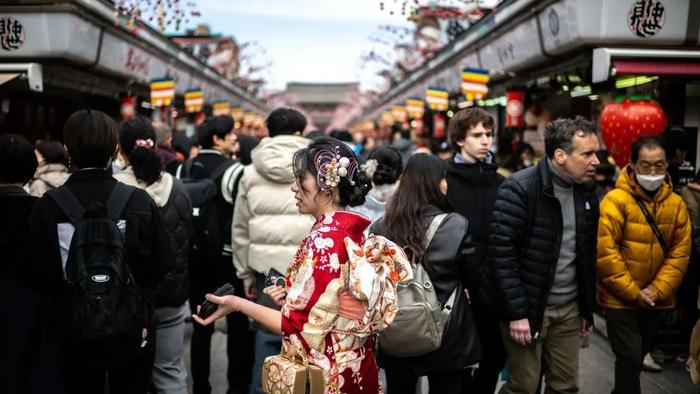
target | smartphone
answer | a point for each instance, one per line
(275, 278)
(207, 308)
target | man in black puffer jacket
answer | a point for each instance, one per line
(542, 257)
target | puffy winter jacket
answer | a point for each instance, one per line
(48, 177)
(175, 211)
(267, 226)
(525, 238)
(630, 257)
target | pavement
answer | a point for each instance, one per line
(596, 366)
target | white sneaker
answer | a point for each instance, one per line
(650, 365)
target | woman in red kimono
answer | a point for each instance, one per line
(339, 290)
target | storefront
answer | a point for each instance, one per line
(570, 57)
(59, 56)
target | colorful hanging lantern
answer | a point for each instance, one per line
(625, 120)
(437, 98)
(162, 92)
(221, 108)
(387, 118)
(194, 100)
(127, 107)
(398, 112)
(514, 108)
(415, 108)
(474, 83)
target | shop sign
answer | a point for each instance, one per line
(646, 17)
(11, 34)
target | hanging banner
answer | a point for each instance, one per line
(237, 114)
(474, 82)
(387, 119)
(194, 100)
(162, 92)
(514, 108)
(398, 112)
(415, 108)
(437, 98)
(221, 108)
(127, 109)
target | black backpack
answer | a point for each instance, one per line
(106, 314)
(208, 235)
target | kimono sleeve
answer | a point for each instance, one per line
(312, 300)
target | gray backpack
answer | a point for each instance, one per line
(420, 321)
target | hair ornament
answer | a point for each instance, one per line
(370, 167)
(331, 166)
(148, 143)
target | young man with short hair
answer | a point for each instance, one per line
(542, 256)
(90, 138)
(644, 241)
(210, 269)
(472, 184)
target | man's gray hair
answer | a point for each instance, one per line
(559, 134)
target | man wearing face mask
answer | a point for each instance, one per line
(644, 240)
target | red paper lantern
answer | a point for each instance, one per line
(623, 121)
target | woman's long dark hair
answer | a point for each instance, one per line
(145, 161)
(419, 188)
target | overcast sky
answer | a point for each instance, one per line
(306, 40)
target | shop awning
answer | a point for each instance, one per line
(32, 71)
(627, 61)
(655, 67)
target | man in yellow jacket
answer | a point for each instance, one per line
(644, 241)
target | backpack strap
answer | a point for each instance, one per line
(68, 203)
(118, 199)
(432, 229)
(652, 224)
(220, 169)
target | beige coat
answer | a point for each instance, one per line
(267, 226)
(47, 177)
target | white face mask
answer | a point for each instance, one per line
(117, 165)
(650, 182)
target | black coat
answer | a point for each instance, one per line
(444, 263)
(28, 360)
(176, 216)
(526, 231)
(472, 190)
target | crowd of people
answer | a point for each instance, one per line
(392, 259)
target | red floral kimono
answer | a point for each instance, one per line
(333, 259)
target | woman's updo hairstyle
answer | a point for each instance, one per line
(334, 165)
(137, 139)
(386, 167)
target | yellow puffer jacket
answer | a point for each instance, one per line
(630, 257)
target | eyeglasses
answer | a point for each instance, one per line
(645, 167)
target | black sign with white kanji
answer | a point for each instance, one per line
(646, 17)
(11, 34)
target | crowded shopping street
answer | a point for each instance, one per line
(350, 196)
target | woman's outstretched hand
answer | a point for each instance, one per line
(227, 304)
(277, 293)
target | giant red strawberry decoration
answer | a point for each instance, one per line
(624, 120)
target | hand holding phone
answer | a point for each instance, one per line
(275, 278)
(207, 307)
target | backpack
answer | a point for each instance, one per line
(420, 321)
(207, 230)
(106, 314)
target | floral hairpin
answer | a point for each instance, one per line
(141, 143)
(331, 166)
(370, 167)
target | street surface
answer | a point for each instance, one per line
(597, 364)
